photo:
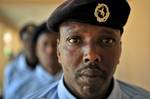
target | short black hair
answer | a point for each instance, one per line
(29, 27)
(41, 29)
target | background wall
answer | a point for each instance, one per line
(135, 61)
(134, 65)
(14, 46)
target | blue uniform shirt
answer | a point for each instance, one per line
(15, 74)
(44, 77)
(120, 90)
(37, 80)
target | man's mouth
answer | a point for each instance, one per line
(93, 73)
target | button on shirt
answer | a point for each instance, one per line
(39, 79)
(15, 74)
(120, 90)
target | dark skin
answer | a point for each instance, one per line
(46, 52)
(28, 49)
(94, 53)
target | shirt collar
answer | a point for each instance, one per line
(116, 91)
(22, 62)
(43, 75)
(63, 93)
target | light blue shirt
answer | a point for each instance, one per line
(15, 74)
(44, 77)
(39, 79)
(120, 90)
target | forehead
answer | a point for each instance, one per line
(27, 35)
(81, 28)
(47, 36)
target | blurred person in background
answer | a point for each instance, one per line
(46, 51)
(48, 70)
(23, 65)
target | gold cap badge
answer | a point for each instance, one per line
(102, 12)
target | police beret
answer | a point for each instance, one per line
(27, 29)
(42, 28)
(109, 13)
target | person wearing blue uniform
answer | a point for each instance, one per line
(89, 49)
(48, 70)
(19, 69)
(46, 49)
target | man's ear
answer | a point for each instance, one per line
(58, 50)
(120, 51)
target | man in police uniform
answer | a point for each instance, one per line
(19, 69)
(89, 49)
(48, 70)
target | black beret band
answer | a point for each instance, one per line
(110, 13)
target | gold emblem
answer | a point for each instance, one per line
(102, 12)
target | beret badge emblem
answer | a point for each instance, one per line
(102, 12)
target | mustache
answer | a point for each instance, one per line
(92, 66)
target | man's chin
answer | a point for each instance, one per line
(91, 80)
(91, 86)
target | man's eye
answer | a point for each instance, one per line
(107, 42)
(74, 40)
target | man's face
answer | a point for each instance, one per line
(89, 55)
(27, 44)
(46, 50)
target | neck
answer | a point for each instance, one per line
(109, 90)
(52, 69)
(30, 63)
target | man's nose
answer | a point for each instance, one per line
(91, 55)
(49, 50)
